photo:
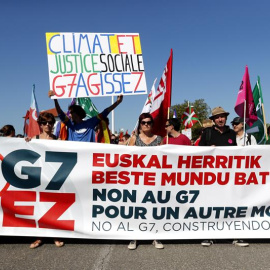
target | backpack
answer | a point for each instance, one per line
(248, 142)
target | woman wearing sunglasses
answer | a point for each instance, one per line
(46, 123)
(145, 137)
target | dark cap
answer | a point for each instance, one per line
(237, 120)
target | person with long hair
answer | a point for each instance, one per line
(46, 123)
(145, 137)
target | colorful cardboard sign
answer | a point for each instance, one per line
(95, 64)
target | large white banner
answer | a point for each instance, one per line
(91, 190)
(95, 64)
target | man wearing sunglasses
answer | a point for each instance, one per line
(242, 138)
(174, 136)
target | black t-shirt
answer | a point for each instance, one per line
(211, 136)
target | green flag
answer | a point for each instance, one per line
(258, 128)
(88, 106)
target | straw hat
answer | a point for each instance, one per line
(218, 111)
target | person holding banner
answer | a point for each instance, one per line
(242, 138)
(145, 137)
(79, 129)
(219, 135)
(46, 122)
(174, 136)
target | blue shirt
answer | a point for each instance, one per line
(84, 131)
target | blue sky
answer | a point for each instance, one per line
(212, 41)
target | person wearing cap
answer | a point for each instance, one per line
(238, 127)
(219, 134)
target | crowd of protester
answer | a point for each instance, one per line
(214, 132)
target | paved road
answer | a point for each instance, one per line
(114, 255)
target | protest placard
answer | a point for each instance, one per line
(95, 64)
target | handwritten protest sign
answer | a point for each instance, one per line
(90, 190)
(95, 64)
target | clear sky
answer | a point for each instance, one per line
(212, 41)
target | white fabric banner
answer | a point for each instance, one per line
(91, 190)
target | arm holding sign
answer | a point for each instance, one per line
(115, 104)
(109, 109)
(57, 106)
(76, 124)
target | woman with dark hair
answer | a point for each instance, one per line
(145, 137)
(7, 131)
(46, 122)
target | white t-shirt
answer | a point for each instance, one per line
(241, 142)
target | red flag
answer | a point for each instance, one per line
(31, 127)
(162, 100)
(121, 135)
(149, 101)
(189, 117)
(245, 96)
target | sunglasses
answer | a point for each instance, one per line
(44, 123)
(167, 125)
(235, 124)
(146, 122)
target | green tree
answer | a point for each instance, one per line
(201, 109)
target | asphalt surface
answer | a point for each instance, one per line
(100, 254)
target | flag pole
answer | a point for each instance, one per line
(188, 113)
(112, 116)
(264, 123)
(263, 112)
(245, 123)
(168, 116)
(262, 106)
